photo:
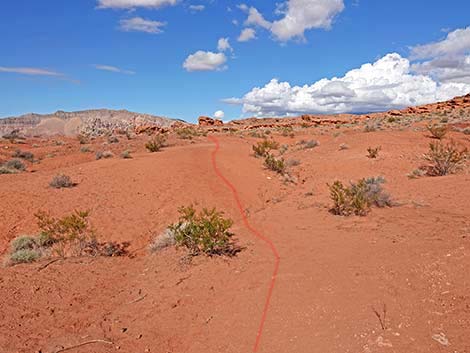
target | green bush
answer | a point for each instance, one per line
(23, 243)
(24, 256)
(277, 165)
(262, 148)
(156, 144)
(358, 198)
(205, 232)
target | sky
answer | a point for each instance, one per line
(231, 59)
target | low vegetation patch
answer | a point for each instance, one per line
(309, 144)
(358, 198)
(373, 152)
(71, 235)
(61, 181)
(263, 148)
(12, 166)
(113, 139)
(27, 156)
(104, 155)
(445, 159)
(156, 143)
(187, 133)
(203, 233)
(438, 131)
(277, 165)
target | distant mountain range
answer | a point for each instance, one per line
(92, 122)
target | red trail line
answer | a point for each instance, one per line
(255, 232)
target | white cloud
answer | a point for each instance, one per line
(246, 35)
(204, 61)
(456, 42)
(446, 60)
(113, 69)
(129, 4)
(197, 8)
(388, 83)
(223, 45)
(139, 24)
(298, 17)
(219, 114)
(30, 71)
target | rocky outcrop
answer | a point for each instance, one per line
(206, 121)
(89, 122)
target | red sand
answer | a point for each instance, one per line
(334, 271)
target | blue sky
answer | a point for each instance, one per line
(131, 54)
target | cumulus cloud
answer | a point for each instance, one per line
(139, 24)
(113, 69)
(129, 4)
(246, 35)
(388, 83)
(224, 44)
(219, 114)
(456, 42)
(205, 61)
(447, 60)
(298, 16)
(32, 71)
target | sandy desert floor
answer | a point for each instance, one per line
(412, 259)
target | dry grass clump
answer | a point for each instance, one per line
(373, 152)
(82, 139)
(438, 131)
(104, 155)
(292, 162)
(85, 149)
(263, 148)
(358, 198)
(27, 156)
(61, 181)
(309, 144)
(164, 240)
(156, 143)
(202, 233)
(113, 139)
(445, 159)
(277, 165)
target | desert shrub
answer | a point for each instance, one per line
(85, 149)
(373, 152)
(187, 133)
(113, 139)
(277, 165)
(357, 198)
(283, 149)
(69, 234)
(371, 126)
(262, 148)
(156, 143)
(126, 155)
(310, 144)
(24, 256)
(445, 158)
(104, 155)
(205, 232)
(438, 131)
(61, 181)
(164, 240)
(23, 243)
(15, 164)
(287, 131)
(466, 131)
(27, 156)
(107, 249)
(417, 173)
